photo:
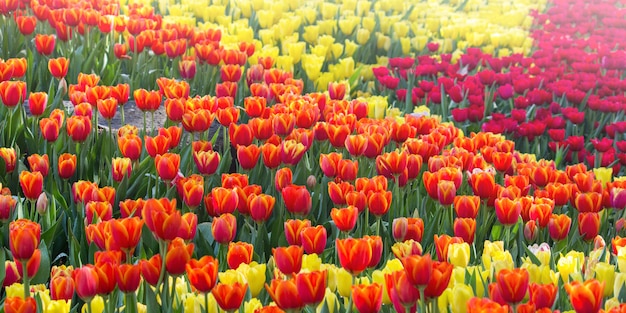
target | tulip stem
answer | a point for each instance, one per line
(206, 302)
(172, 298)
(26, 279)
(349, 307)
(422, 300)
(131, 302)
(89, 307)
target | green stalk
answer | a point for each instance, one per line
(26, 279)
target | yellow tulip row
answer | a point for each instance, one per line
(314, 33)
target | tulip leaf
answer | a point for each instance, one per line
(152, 304)
(325, 308)
(622, 294)
(43, 274)
(204, 240)
(531, 256)
(49, 235)
(3, 258)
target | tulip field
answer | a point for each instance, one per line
(312, 156)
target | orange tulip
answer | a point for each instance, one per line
(9, 157)
(248, 156)
(286, 294)
(378, 203)
(128, 277)
(107, 108)
(297, 199)
(167, 166)
(32, 266)
(483, 184)
(20, 305)
(202, 273)
(354, 254)
(512, 284)
(61, 287)
(329, 163)
(224, 228)
(84, 191)
(465, 228)
(238, 253)
(291, 152)
(293, 228)
(446, 192)
(345, 219)
(7, 205)
(44, 44)
(151, 269)
(271, 155)
(227, 115)
(131, 208)
(58, 67)
(37, 102)
(38, 163)
(391, 164)
(261, 128)
(418, 269)
(229, 297)
(240, 134)
(146, 100)
(288, 259)
(67, 165)
(254, 106)
(337, 134)
(542, 296)
(97, 211)
(120, 168)
(507, 210)
(12, 93)
(32, 184)
(126, 232)
(224, 200)
(479, 305)
(439, 279)
(49, 129)
(588, 202)
(367, 298)
(207, 162)
(408, 228)
(587, 296)
(162, 218)
(314, 239)
(197, 121)
(311, 287)
(261, 207)
(178, 255)
(78, 128)
(192, 190)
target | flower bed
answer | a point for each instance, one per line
(324, 195)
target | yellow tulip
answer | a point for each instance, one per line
(295, 51)
(459, 254)
(377, 105)
(481, 278)
(458, 298)
(320, 51)
(368, 23)
(326, 40)
(329, 10)
(362, 36)
(568, 265)
(363, 7)
(255, 276)
(603, 174)
(311, 33)
(246, 8)
(350, 47)
(393, 265)
(330, 300)
(405, 43)
(267, 37)
(347, 25)
(308, 14)
(311, 262)
(327, 27)
(383, 42)
(336, 50)
(348, 6)
(97, 305)
(15, 290)
(605, 272)
(321, 83)
(400, 29)
(58, 306)
(432, 24)
(229, 277)
(344, 282)
(285, 62)
(252, 306)
(618, 284)
(331, 269)
(193, 302)
(501, 260)
(258, 5)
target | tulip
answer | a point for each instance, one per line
(229, 297)
(7, 205)
(120, 168)
(49, 129)
(86, 282)
(314, 239)
(466, 206)
(58, 67)
(128, 277)
(61, 287)
(24, 237)
(367, 298)
(44, 44)
(401, 292)
(78, 128)
(442, 243)
(126, 232)
(177, 257)
(20, 305)
(32, 184)
(202, 273)
(206, 162)
(167, 166)
(224, 228)
(261, 207)
(345, 219)
(311, 287)
(297, 199)
(151, 269)
(162, 218)
(588, 225)
(238, 253)
(439, 279)
(512, 284)
(231, 181)
(293, 228)
(285, 294)
(355, 255)
(542, 296)
(288, 259)
(507, 210)
(587, 296)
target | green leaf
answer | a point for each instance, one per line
(3, 272)
(531, 256)
(43, 274)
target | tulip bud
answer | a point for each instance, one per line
(62, 87)
(619, 226)
(530, 231)
(42, 204)
(311, 181)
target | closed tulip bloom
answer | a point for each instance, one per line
(479, 305)
(147, 100)
(107, 107)
(229, 297)
(120, 168)
(483, 184)
(207, 162)
(439, 279)
(78, 128)
(20, 305)
(288, 259)
(61, 288)
(297, 199)
(507, 210)
(513, 284)
(86, 282)
(285, 294)
(128, 277)
(32, 184)
(67, 165)
(97, 211)
(378, 203)
(197, 121)
(588, 225)
(293, 228)
(261, 207)
(376, 243)
(355, 255)
(167, 166)
(311, 287)
(9, 157)
(406, 248)
(248, 156)
(224, 228)
(162, 218)
(24, 238)
(238, 253)
(44, 44)
(7, 205)
(178, 254)
(404, 228)
(58, 67)
(367, 298)
(159, 144)
(224, 200)
(38, 163)
(585, 297)
(151, 269)
(202, 273)
(401, 292)
(441, 245)
(588, 202)
(50, 129)
(314, 239)
(345, 219)
(37, 102)
(446, 192)
(240, 134)
(418, 269)
(542, 296)
(559, 226)
(126, 232)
